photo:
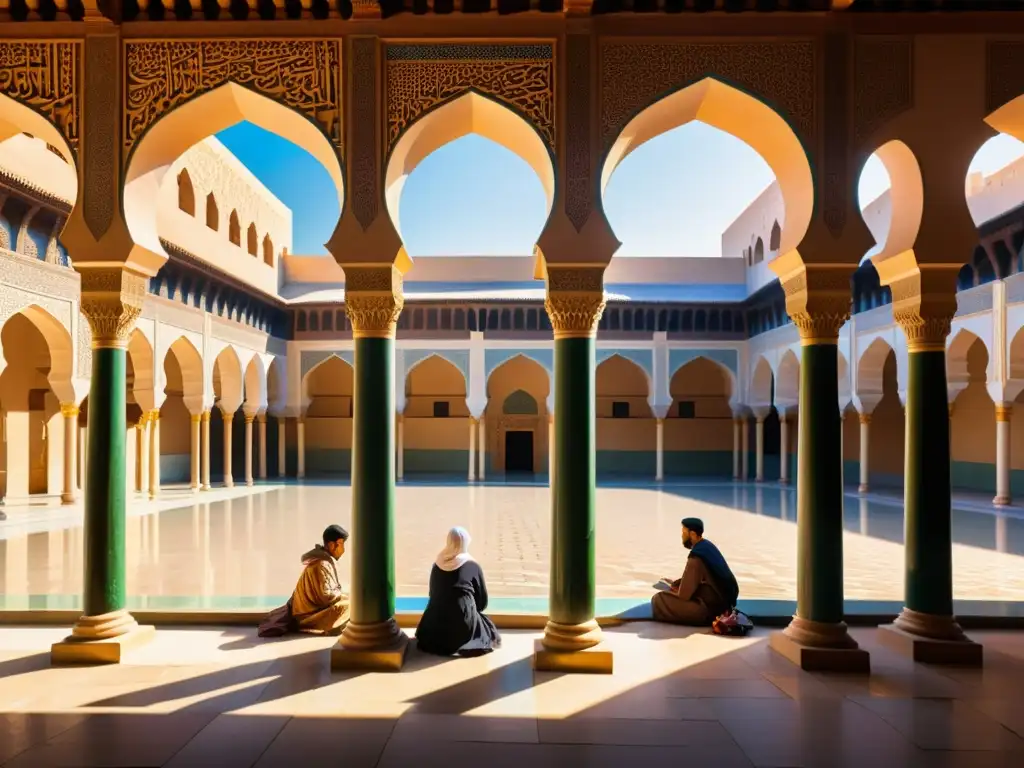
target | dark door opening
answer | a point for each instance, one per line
(519, 451)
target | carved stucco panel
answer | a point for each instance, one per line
(634, 75)
(420, 77)
(163, 74)
(44, 76)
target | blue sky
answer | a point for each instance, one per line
(671, 197)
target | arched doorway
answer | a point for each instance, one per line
(436, 431)
(626, 428)
(698, 430)
(520, 436)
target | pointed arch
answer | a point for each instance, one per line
(186, 194)
(871, 365)
(327, 388)
(787, 382)
(775, 238)
(255, 383)
(747, 118)
(227, 380)
(957, 350)
(140, 352)
(519, 372)
(618, 375)
(268, 251)
(438, 365)
(190, 363)
(196, 119)
(470, 112)
(16, 118)
(235, 229)
(906, 204)
(252, 239)
(762, 383)
(758, 251)
(212, 213)
(59, 346)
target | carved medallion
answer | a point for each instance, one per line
(884, 82)
(635, 75)
(302, 74)
(420, 77)
(44, 76)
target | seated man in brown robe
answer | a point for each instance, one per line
(318, 605)
(707, 587)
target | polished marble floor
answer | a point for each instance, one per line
(223, 698)
(241, 549)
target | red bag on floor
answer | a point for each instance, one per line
(732, 623)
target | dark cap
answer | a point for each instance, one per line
(695, 524)
(333, 533)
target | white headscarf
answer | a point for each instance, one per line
(456, 551)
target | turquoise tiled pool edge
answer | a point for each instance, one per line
(613, 607)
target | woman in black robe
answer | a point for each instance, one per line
(454, 623)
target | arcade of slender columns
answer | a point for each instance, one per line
(250, 418)
(262, 423)
(759, 417)
(472, 449)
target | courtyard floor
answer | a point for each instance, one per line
(221, 697)
(240, 548)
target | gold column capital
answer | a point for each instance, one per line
(865, 418)
(68, 410)
(227, 417)
(206, 416)
(575, 299)
(195, 418)
(373, 299)
(250, 418)
(818, 300)
(1004, 412)
(112, 299)
(143, 420)
(923, 305)
(154, 414)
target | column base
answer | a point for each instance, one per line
(594, 660)
(1001, 501)
(67, 498)
(249, 483)
(101, 639)
(927, 650)
(820, 647)
(379, 647)
(862, 488)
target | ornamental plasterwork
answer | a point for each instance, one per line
(44, 76)
(14, 299)
(160, 75)
(634, 75)
(38, 277)
(420, 77)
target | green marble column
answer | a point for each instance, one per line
(105, 487)
(928, 535)
(819, 488)
(372, 638)
(573, 493)
(373, 481)
(112, 301)
(575, 301)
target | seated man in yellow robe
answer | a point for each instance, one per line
(318, 605)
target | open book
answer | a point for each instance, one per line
(664, 585)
